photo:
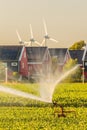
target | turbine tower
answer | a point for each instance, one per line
(46, 36)
(32, 40)
(20, 40)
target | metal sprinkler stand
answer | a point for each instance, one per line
(62, 112)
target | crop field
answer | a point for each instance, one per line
(18, 113)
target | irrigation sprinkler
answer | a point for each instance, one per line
(62, 112)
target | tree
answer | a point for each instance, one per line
(77, 45)
(76, 75)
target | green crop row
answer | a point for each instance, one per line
(34, 118)
(18, 113)
(71, 94)
(74, 95)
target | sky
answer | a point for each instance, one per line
(66, 21)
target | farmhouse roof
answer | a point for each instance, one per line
(9, 52)
(35, 54)
(77, 54)
(59, 53)
(84, 58)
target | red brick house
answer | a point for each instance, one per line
(77, 54)
(23, 66)
(62, 55)
(39, 60)
(15, 57)
(26, 61)
(81, 56)
(84, 62)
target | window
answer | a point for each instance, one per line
(14, 64)
(85, 63)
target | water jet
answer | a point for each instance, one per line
(46, 89)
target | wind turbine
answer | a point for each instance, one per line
(46, 36)
(32, 40)
(20, 40)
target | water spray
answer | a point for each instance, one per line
(21, 94)
(46, 89)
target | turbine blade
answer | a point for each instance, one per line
(45, 27)
(53, 40)
(43, 41)
(18, 36)
(37, 43)
(27, 43)
(31, 31)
